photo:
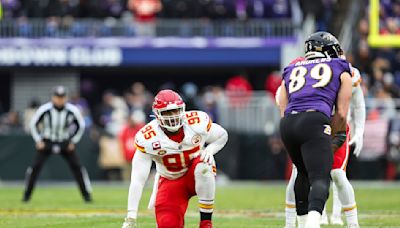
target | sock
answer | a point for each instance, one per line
(336, 206)
(313, 219)
(351, 215)
(290, 215)
(205, 188)
(301, 220)
(290, 210)
(346, 195)
(205, 216)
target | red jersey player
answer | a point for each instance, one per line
(176, 141)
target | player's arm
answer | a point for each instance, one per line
(281, 98)
(357, 110)
(141, 165)
(80, 125)
(35, 121)
(216, 140)
(339, 120)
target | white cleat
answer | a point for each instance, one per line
(353, 226)
(290, 226)
(336, 220)
(129, 223)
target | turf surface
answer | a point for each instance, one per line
(237, 205)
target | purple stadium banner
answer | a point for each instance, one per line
(112, 52)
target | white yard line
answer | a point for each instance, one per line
(149, 213)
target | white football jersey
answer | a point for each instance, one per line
(173, 159)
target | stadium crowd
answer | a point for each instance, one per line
(381, 82)
(76, 18)
(163, 8)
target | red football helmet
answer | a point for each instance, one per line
(169, 110)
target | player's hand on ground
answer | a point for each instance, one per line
(40, 145)
(71, 147)
(357, 140)
(129, 223)
(207, 157)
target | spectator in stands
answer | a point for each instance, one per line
(241, 9)
(10, 124)
(239, 90)
(189, 95)
(11, 8)
(390, 86)
(104, 110)
(29, 112)
(24, 27)
(63, 8)
(272, 82)
(210, 103)
(145, 12)
(390, 27)
(118, 116)
(35, 8)
(52, 25)
(384, 104)
(82, 104)
(108, 8)
(144, 96)
(393, 140)
(127, 137)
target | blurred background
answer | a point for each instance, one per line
(224, 56)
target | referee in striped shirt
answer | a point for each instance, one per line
(57, 127)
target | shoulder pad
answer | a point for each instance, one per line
(146, 137)
(346, 66)
(198, 121)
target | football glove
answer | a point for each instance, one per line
(358, 140)
(206, 156)
(129, 223)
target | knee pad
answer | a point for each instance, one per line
(203, 170)
(339, 177)
(321, 186)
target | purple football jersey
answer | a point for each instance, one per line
(314, 84)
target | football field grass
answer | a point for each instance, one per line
(237, 205)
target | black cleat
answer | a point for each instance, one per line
(26, 199)
(88, 199)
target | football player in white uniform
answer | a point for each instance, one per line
(343, 193)
(176, 141)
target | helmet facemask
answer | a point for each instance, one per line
(171, 118)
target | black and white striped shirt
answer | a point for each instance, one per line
(62, 125)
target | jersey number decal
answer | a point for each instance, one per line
(177, 162)
(192, 118)
(148, 132)
(321, 72)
